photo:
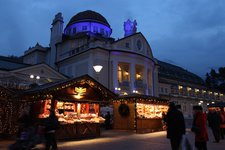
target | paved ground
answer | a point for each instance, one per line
(123, 140)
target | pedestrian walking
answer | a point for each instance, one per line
(175, 126)
(199, 128)
(51, 125)
(222, 122)
(214, 124)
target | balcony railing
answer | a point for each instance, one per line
(139, 84)
(124, 84)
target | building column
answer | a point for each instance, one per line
(132, 77)
(155, 82)
(115, 75)
(145, 79)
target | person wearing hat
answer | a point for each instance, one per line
(199, 128)
(175, 126)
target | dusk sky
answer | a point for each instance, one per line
(187, 33)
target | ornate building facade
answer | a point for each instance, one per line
(127, 65)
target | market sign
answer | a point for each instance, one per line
(80, 92)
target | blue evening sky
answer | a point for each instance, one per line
(187, 33)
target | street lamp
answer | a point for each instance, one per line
(97, 69)
(37, 77)
(32, 77)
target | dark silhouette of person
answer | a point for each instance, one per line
(51, 125)
(26, 132)
(24, 121)
(214, 124)
(175, 126)
(222, 123)
(199, 128)
(107, 120)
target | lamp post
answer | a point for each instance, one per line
(34, 78)
(97, 69)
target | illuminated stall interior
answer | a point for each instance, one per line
(139, 112)
(71, 112)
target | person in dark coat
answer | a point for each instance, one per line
(199, 128)
(51, 125)
(222, 123)
(107, 120)
(175, 126)
(214, 124)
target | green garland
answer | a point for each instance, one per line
(124, 110)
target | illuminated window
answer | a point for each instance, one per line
(180, 87)
(138, 76)
(139, 72)
(123, 72)
(196, 90)
(188, 88)
(125, 93)
(119, 74)
(149, 77)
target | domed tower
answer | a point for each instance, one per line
(90, 22)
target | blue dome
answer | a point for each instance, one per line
(88, 21)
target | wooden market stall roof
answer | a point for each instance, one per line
(142, 98)
(64, 90)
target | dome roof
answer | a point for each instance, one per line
(88, 15)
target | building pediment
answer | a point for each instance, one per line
(43, 71)
(134, 43)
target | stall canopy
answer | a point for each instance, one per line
(142, 98)
(83, 87)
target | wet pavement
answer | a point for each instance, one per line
(125, 140)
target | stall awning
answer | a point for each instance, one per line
(142, 98)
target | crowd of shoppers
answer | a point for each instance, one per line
(175, 126)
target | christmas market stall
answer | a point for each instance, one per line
(76, 103)
(140, 113)
(8, 107)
